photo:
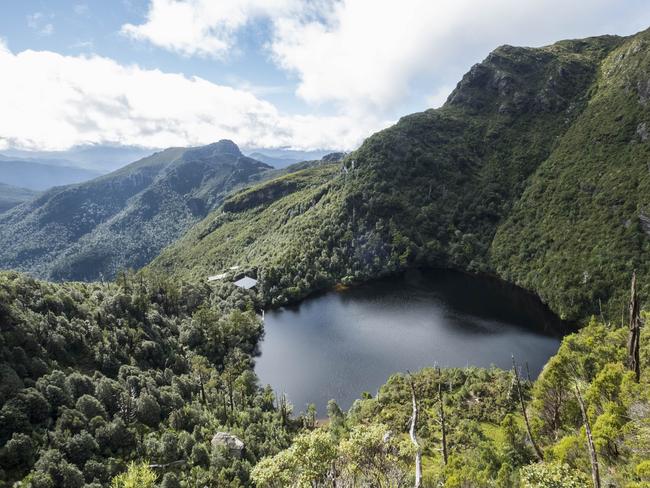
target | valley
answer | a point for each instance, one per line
(396, 280)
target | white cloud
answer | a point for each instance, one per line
(81, 9)
(38, 22)
(439, 97)
(364, 60)
(201, 27)
(371, 56)
(52, 102)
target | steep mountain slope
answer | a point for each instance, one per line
(91, 230)
(40, 176)
(583, 223)
(10, 196)
(438, 186)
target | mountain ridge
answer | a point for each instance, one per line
(91, 230)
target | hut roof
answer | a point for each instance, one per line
(246, 282)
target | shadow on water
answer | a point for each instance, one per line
(339, 344)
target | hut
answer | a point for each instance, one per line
(246, 283)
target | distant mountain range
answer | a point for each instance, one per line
(281, 158)
(106, 158)
(121, 220)
(40, 175)
(96, 157)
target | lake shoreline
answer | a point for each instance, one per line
(340, 343)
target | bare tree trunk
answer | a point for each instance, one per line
(414, 440)
(590, 442)
(282, 407)
(635, 332)
(231, 397)
(538, 451)
(203, 396)
(443, 423)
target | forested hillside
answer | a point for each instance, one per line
(122, 220)
(148, 382)
(96, 376)
(534, 170)
(583, 220)
(10, 196)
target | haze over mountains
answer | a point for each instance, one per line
(41, 170)
(281, 158)
(40, 175)
(95, 157)
(121, 220)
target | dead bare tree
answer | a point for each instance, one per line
(412, 434)
(283, 409)
(441, 419)
(522, 402)
(635, 332)
(595, 474)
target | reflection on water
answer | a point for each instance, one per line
(339, 344)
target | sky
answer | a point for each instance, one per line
(319, 74)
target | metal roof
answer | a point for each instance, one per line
(246, 283)
(217, 277)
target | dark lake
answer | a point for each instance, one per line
(340, 344)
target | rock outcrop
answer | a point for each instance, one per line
(231, 442)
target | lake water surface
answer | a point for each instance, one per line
(340, 344)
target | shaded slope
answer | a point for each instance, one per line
(582, 224)
(90, 230)
(10, 196)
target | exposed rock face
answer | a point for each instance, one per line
(233, 443)
(514, 80)
(643, 89)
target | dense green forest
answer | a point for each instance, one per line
(91, 230)
(126, 384)
(95, 376)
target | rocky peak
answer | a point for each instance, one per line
(224, 147)
(514, 80)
